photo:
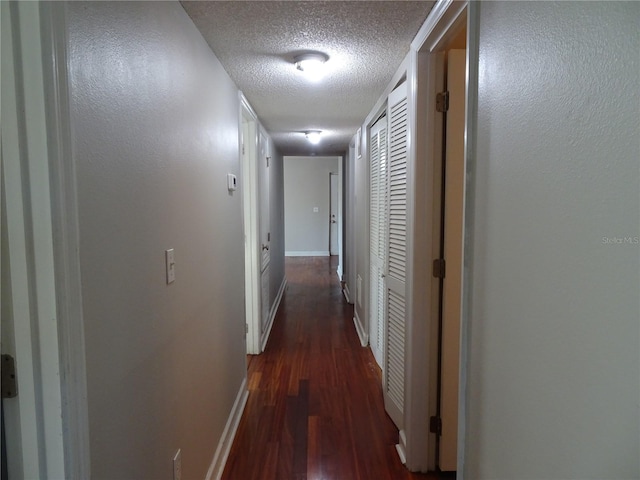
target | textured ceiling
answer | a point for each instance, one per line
(256, 41)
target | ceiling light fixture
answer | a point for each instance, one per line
(311, 63)
(313, 136)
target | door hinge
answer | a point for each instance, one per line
(246, 329)
(268, 158)
(442, 102)
(439, 267)
(9, 384)
(243, 149)
(435, 425)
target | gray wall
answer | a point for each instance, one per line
(155, 127)
(276, 218)
(554, 354)
(349, 250)
(306, 185)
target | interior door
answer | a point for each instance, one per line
(377, 225)
(394, 344)
(333, 214)
(249, 190)
(453, 235)
(265, 227)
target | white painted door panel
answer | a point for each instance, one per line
(265, 225)
(377, 223)
(333, 214)
(394, 334)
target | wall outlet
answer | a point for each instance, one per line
(177, 465)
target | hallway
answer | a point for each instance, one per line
(315, 407)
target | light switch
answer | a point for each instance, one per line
(315, 209)
(232, 182)
(171, 265)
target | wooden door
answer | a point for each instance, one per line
(453, 236)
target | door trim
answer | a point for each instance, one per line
(66, 245)
(45, 238)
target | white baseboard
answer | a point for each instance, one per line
(364, 338)
(324, 253)
(401, 447)
(347, 293)
(272, 315)
(224, 445)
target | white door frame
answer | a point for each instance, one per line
(340, 218)
(49, 415)
(249, 185)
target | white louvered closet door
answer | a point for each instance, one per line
(378, 236)
(394, 364)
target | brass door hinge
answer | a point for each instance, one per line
(442, 102)
(439, 267)
(9, 384)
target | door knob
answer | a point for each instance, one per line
(265, 247)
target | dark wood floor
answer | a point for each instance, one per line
(315, 407)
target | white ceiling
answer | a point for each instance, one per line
(256, 41)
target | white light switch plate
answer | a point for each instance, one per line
(315, 209)
(232, 182)
(171, 265)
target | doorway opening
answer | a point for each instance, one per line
(453, 104)
(447, 109)
(428, 423)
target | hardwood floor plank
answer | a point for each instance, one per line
(315, 408)
(300, 437)
(314, 462)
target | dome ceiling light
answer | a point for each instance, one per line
(313, 136)
(312, 64)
